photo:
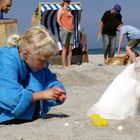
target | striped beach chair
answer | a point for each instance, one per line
(45, 14)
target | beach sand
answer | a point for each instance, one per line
(84, 85)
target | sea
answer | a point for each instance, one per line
(100, 50)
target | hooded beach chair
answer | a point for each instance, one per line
(46, 14)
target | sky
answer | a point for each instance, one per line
(93, 10)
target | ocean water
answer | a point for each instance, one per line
(100, 50)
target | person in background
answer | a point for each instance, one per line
(5, 6)
(108, 30)
(65, 21)
(133, 36)
(28, 88)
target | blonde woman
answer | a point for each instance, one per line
(65, 21)
(28, 88)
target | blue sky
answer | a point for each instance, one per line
(93, 10)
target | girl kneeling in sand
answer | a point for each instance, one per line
(28, 87)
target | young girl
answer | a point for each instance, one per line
(27, 85)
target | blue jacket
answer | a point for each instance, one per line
(18, 83)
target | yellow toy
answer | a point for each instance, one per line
(98, 121)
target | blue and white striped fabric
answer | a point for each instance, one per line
(48, 19)
(45, 7)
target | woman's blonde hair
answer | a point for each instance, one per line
(38, 40)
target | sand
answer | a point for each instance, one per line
(84, 85)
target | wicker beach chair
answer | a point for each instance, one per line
(7, 28)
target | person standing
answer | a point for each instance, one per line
(108, 30)
(133, 36)
(5, 6)
(65, 21)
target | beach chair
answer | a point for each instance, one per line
(45, 14)
(8, 27)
